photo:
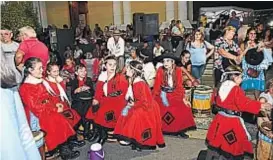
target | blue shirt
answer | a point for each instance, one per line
(198, 54)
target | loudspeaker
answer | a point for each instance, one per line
(150, 24)
(65, 37)
(138, 23)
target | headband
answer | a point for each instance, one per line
(225, 74)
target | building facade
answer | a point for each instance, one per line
(111, 12)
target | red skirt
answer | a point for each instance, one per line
(71, 115)
(57, 129)
(177, 117)
(109, 112)
(227, 135)
(141, 127)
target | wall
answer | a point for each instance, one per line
(150, 7)
(100, 12)
(58, 13)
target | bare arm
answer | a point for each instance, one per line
(226, 54)
(184, 70)
(211, 48)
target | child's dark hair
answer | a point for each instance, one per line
(79, 66)
(184, 52)
(50, 65)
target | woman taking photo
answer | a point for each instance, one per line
(140, 122)
(109, 96)
(170, 95)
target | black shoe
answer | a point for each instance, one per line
(51, 154)
(67, 153)
(86, 132)
(94, 137)
(183, 135)
(103, 136)
(76, 143)
(134, 147)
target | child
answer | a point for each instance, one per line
(158, 50)
(82, 94)
(267, 97)
(227, 137)
(140, 122)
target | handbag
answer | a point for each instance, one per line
(253, 73)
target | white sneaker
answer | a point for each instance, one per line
(125, 143)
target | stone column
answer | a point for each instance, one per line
(182, 10)
(127, 16)
(116, 12)
(169, 10)
(40, 8)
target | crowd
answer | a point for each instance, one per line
(134, 94)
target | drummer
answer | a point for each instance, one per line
(227, 136)
(170, 95)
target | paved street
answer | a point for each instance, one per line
(176, 149)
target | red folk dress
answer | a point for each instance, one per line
(177, 117)
(142, 125)
(74, 117)
(111, 97)
(227, 133)
(37, 100)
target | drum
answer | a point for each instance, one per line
(201, 101)
(188, 94)
(265, 141)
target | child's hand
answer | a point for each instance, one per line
(95, 102)
(187, 103)
(60, 107)
(131, 103)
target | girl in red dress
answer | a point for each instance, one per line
(140, 122)
(227, 137)
(37, 100)
(55, 85)
(170, 95)
(110, 97)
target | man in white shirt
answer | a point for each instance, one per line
(9, 48)
(116, 46)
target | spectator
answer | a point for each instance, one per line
(268, 41)
(177, 35)
(267, 96)
(233, 21)
(127, 50)
(199, 53)
(227, 53)
(87, 32)
(9, 48)
(214, 33)
(172, 24)
(68, 52)
(30, 47)
(253, 71)
(65, 26)
(97, 30)
(107, 32)
(78, 33)
(116, 46)
(77, 53)
(260, 32)
(158, 49)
